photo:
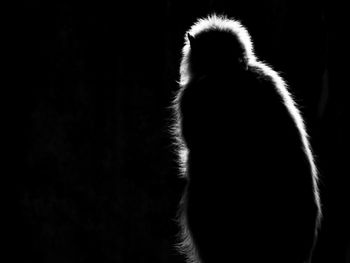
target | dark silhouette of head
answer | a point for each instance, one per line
(216, 45)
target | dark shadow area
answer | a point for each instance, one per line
(250, 184)
(93, 174)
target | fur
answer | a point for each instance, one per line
(243, 147)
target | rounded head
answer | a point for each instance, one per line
(215, 44)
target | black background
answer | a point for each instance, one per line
(95, 178)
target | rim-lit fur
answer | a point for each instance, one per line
(222, 23)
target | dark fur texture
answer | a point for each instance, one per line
(252, 191)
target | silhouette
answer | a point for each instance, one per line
(252, 193)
